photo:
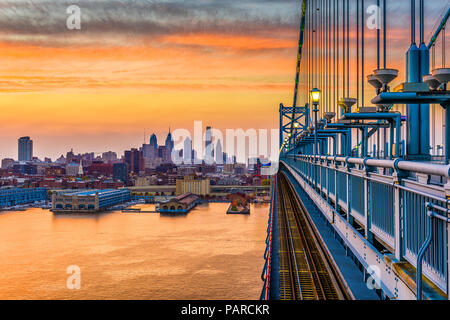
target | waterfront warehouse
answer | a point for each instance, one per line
(88, 201)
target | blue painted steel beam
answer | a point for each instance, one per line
(394, 118)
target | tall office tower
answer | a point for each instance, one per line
(169, 142)
(187, 151)
(135, 160)
(25, 149)
(219, 153)
(154, 141)
(120, 172)
(209, 148)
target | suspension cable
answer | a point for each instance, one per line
(299, 59)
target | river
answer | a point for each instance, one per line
(205, 254)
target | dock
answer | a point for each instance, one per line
(138, 210)
(238, 209)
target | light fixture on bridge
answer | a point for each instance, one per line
(329, 116)
(296, 125)
(385, 76)
(373, 81)
(383, 107)
(346, 104)
(442, 75)
(315, 96)
(431, 81)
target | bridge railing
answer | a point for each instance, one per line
(385, 200)
(268, 265)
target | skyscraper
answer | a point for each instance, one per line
(208, 137)
(209, 148)
(219, 153)
(25, 149)
(135, 160)
(169, 142)
(154, 141)
(187, 151)
(120, 172)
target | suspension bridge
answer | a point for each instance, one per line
(360, 203)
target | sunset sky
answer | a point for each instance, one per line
(140, 65)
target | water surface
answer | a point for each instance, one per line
(206, 254)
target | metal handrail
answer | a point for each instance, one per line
(430, 208)
(399, 164)
(430, 215)
(265, 276)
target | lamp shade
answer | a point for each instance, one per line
(315, 95)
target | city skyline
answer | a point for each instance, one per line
(160, 136)
(25, 148)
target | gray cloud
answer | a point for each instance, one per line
(43, 22)
(20, 19)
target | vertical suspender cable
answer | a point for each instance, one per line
(343, 48)
(443, 47)
(384, 34)
(348, 48)
(357, 52)
(308, 53)
(320, 42)
(413, 21)
(328, 56)
(321, 45)
(334, 57)
(337, 39)
(378, 36)
(443, 66)
(315, 43)
(362, 53)
(422, 10)
(309, 49)
(327, 34)
(433, 66)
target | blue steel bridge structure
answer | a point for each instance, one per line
(360, 203)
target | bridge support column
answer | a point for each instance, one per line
(418, 115)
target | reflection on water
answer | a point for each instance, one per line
(206, 254)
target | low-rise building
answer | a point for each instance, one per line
(181, 204)
(16, 196)
(189, 184)
(7, 163)
(88, 201)
(74, 169)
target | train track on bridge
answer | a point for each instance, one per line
(306, 270)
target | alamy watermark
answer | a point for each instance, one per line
(235, 146)
(73, 281)
(374, 18)
(73, 21)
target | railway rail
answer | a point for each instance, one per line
(306, 270)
